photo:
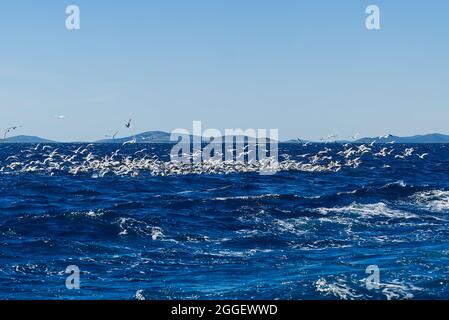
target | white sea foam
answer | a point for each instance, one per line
(133, 226)
(399, 183)
(262, 196)
(398, 291)
(339, 289)
(90, 213)
(434, 200)
(379, 209)
(294, 226)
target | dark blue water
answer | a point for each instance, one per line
(298, 234)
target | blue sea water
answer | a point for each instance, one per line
(298, 234)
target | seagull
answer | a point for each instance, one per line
(422, 156)
(8, 130)
(326, 150)
(77, 150)
(303, 155)
(133, 141)
(12, 157)
(381, 153)
(363, 149)
(113, 136)
(140, 151)
(408, 152)
(128, 124)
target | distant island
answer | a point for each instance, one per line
(25, 139)
(164, 137)
(145, 137)
(427, 138)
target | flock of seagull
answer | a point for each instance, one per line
(51, 159)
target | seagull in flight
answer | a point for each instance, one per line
(422, 156)
(8, 130)
(128, 124)
(113, 136)
(133, 141)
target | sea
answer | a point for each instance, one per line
(137, 227)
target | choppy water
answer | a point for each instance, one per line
(137, 225)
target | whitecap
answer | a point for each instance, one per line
(379, 209)
(339, 289)
(434, 200)
(255, 197)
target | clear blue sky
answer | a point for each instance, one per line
(308, 68)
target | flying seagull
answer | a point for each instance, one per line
(133, 141)
(422, 156)
(8, 130)
(128, 124)
(113, 136)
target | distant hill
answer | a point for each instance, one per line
(145, 137)
(164, 137)
(296, 141)
(427, 138)
(150, 137)
(25, 139)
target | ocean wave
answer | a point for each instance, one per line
(295, 235)
(88, 214)
(349, 289)
(399, 183)
(130, 226)
(262, 196)
(379, 209)
(339, 289)
(398, 291)
(433, 200)
(294, 226)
